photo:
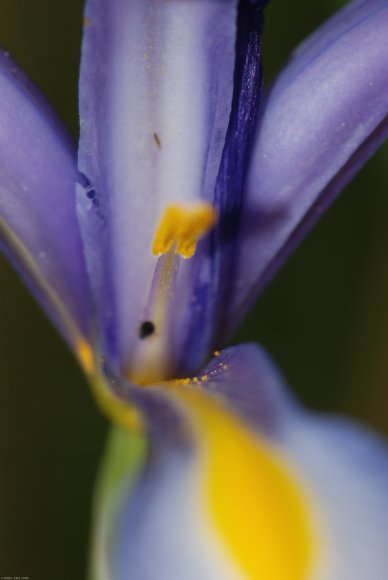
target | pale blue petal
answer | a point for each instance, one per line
(346, 467)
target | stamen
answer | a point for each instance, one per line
(181, 227)
(179, 230)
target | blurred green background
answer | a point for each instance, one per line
(324, 318)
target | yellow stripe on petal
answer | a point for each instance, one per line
(120, 412)
(85, 356)
(254, 499)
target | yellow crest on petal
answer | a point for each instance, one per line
(256, 502)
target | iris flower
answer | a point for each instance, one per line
(190, 190)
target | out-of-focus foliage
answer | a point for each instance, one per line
(324, 318)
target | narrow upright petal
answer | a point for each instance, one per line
(230, 487)
(167, 111)
(156, 86)
(218, 262)
(324, 117)
(38, 223)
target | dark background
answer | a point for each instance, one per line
(324, 318)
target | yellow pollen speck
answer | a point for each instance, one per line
(187, 381)
(179, 382)
(86, 21)
(216, 353)
(181, 227)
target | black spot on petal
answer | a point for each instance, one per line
(147, 328)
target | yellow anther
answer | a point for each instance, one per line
(181, 227)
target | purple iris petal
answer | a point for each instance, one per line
(38, 224)
(155, 98)
(214, 285)
(325, 115)
(246, 378)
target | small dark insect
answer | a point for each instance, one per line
(157, 140)
(147, 328)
